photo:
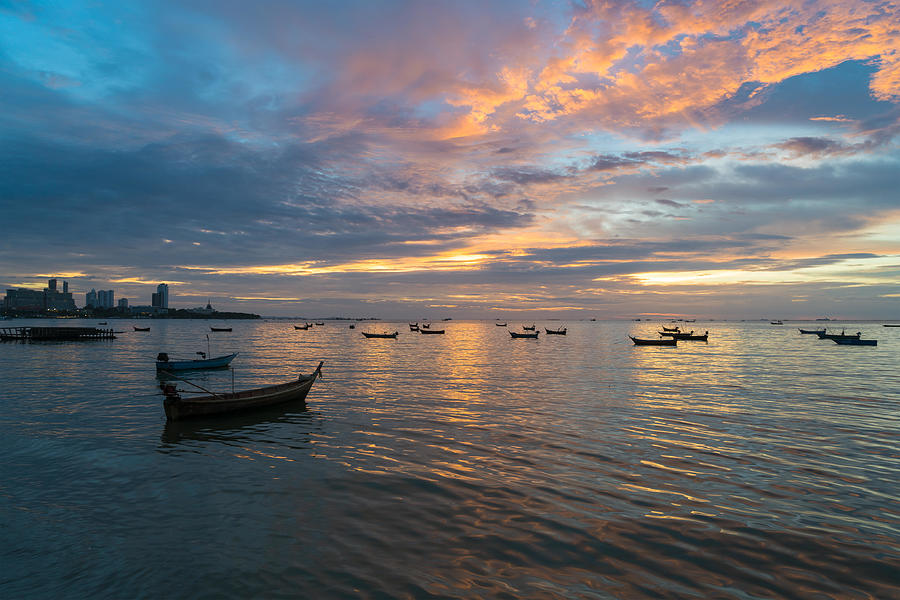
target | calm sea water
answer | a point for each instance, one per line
(764, 464)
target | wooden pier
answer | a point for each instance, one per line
(53, 334)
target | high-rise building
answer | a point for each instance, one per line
(50, 299)
(24, 300)
(161, 298)
(105, 299)
(123, 303)
(90, 299)
(65, 287)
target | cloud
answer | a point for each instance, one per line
(527, 175)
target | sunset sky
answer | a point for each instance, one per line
(468, 159)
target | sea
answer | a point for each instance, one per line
(762, 464)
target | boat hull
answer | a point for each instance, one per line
(178, 409)
(431, 331)
(855, 342)
(838, 336)
(380, 335)
(691, 337)
(189, 365)
(659, 342)
(532, 336)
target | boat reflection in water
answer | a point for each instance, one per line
(243, 427)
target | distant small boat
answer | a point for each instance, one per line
(102, 323)
(596, 319)
(301, 327)
(675, 329)
(838, 336)
(424, 325)
(178, 408)
(504, 324)
(380, 335)
(413, 326)
(163, 363)
(526, 328)
(691, 336)
(447, 319)
(655, 342)
(851, 341)
(136, 328)
(891, 325)
(352, 326)
(775, 323)
(560, 331)
(320, 324)
(220, 328)
(532, 335)
(430, 331)
(811, 331)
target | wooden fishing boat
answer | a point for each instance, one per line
(220, 328)
(504, 324)
(838, 336)
(530, 335)
(675, 329)
(654, 342)
(430, 331)
(560, 331)
(527, 328)
(891, 325)
(320, 323)
(301, 327)
(691, 336)
(424, 325)
(852, 341)
(164, 363)
(669, 333)
(776, 323)
(380, 335)
(352, 326)
(178, 408)
(136, 328)
(811, 331)
(414, 327)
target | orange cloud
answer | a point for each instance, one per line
(627, 64)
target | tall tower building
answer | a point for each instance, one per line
(162, 295)
(65, 287)
(90, 299)
(105, 299)
(51, 285)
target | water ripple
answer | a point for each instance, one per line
(762, 464)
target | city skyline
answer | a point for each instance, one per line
(542, 160)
